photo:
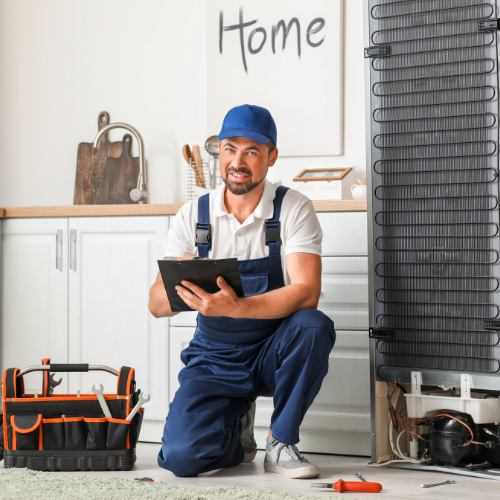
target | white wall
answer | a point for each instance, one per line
(61, 63)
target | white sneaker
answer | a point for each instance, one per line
(286, 459)
(247, 438)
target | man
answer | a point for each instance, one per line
(273, 341)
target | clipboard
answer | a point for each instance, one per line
(201, 272)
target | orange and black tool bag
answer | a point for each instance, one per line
(68, 432)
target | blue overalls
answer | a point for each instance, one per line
(232, 361)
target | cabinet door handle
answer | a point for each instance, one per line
(72, 249)
(59, 238)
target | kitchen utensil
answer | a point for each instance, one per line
(187, 153)
(140, 192)
(436, 484)
(341, 486)
(188, 156)
(359, 190)
(360, 477)
(212, 148)
(198, 167)
(102, 401)
(120, 175)
(137, 407)
(90, 166)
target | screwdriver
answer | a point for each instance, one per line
(341, 486)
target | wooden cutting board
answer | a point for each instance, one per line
(120, 175)
(90, 167)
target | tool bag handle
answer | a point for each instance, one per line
(12, 386)
(70, 367)
(46, 379)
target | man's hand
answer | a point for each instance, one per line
(222, 303)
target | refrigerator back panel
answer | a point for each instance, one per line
(434, 103)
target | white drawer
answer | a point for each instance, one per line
(344, 233)
(187, 318)
(344, 291)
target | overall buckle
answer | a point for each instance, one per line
(273, 231)
(203, 234)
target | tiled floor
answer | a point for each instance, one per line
(397, 484)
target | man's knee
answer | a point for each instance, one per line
(197, 443)
(181, 450)
(318, 327)
(178, 453)
(178, 460)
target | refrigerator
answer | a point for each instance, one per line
(432, 111)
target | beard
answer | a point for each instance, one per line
(239, 188)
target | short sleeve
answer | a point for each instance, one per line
(180, 237)
(303, 231)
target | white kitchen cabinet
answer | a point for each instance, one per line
(344, 233)
(113, 265)
(34, 297)
(186, 318)
(91, 308)
(344, 291)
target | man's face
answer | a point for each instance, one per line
(244, 163)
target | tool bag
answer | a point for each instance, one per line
(67, 432)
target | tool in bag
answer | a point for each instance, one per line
(102, 401)
(137, 407)
(68, 432)
(54, 383)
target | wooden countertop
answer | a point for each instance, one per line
(167, 209)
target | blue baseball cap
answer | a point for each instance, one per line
(252, 122)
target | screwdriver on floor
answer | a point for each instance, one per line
(341, 486)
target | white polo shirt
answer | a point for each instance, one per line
(300, 229)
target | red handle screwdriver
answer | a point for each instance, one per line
(341, 486)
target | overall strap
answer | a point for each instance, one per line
(273, 225)
(203, 227)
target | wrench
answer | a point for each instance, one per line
(360, 477)
(436, 484)
(53, 383)
(102, 401)
(137, 407)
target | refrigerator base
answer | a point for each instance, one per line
(490, 473)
